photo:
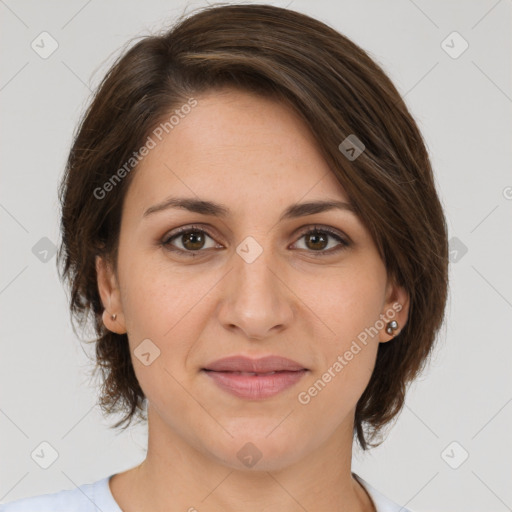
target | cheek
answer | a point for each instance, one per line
(155, 296)
(350, 306)
(167, 308)
(351, 302)
(330, 398)
(347, 357)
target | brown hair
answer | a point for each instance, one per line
(338, 90)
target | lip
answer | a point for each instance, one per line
(254, 379)
(260, 365)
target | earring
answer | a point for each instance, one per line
(114, 316)
(391, 326)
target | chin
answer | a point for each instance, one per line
(254, 449)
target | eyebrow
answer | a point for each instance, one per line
(219, 210)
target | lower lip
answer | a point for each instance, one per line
(255, 386)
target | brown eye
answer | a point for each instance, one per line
(317, 241)
(188, 241)
(193, 240)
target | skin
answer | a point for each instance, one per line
(256, 157)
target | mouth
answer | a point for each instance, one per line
(254, 378)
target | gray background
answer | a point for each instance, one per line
(463, 108)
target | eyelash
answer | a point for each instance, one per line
(166, 242)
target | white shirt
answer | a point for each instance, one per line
(97, 497)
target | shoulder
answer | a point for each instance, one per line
(86, 498)
(381, 502)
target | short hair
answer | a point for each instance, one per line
(339, 91)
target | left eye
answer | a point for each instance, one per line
(318, 240)
(193, 240)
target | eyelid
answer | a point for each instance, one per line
(186, 229)
(324, 229)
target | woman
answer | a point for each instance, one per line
(250, 214)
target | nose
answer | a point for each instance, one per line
(255, 299)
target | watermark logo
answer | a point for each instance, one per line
(352, 147)
(44, 455)
(44, 250)
(249, 455)
(454, 45)
(249, 249)
(147, 352)
(454, 455)
(457, 249)
(44, 45)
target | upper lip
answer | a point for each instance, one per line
(260, 365)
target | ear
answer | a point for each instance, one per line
(110, 296)
(396, 307)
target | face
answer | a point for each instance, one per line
(248, 281)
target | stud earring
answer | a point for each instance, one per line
(114, 316)
(391, 326)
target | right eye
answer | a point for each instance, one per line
(192, 240)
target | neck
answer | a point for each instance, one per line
(176, 476)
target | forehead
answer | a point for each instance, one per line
(235, 147)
